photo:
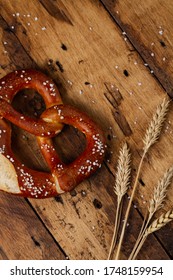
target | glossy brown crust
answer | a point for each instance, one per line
(63, 177)
(12, 83)
(20, 79)
(88, 162)
(32, 183)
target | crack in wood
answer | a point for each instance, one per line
(115, 98)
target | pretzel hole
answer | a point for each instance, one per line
(69, 144)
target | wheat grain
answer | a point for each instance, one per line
(155, 125)
(160, 192)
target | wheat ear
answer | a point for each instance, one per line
(151, 136)
(160, 222)
(154, 129)
(160, 192)
(156, 225)
(120, 189)
(154, 205)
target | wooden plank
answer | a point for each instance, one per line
(148, 26)
(22, 234)
(86, 54)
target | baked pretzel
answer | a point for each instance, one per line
(18, 179)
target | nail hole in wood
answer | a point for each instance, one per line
(162, 44)
(64, 47)
(126, 73)
(60, 66)
(35, 241)
(97, 203)
(141, 182)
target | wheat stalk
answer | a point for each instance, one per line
(120, 188)
(123, 172)
(160, 222)
(154, 205)
(156, 225)
(151, 136)
(154, 129)
(160, 192)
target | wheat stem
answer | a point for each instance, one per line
(116, 227)
(144, 237)
(142, 230)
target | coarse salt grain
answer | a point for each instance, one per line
(161, 32)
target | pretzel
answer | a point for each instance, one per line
(18, 179)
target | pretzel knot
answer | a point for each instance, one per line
(15, 177)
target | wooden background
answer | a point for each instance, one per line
(112, 59)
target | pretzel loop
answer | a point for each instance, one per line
(18, 179)
(23, 79)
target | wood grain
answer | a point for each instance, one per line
(148, 27)
(22, 233)
(99, 71)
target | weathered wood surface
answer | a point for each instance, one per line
(148, 26)
(98, 70)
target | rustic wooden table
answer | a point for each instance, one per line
(113, 60)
